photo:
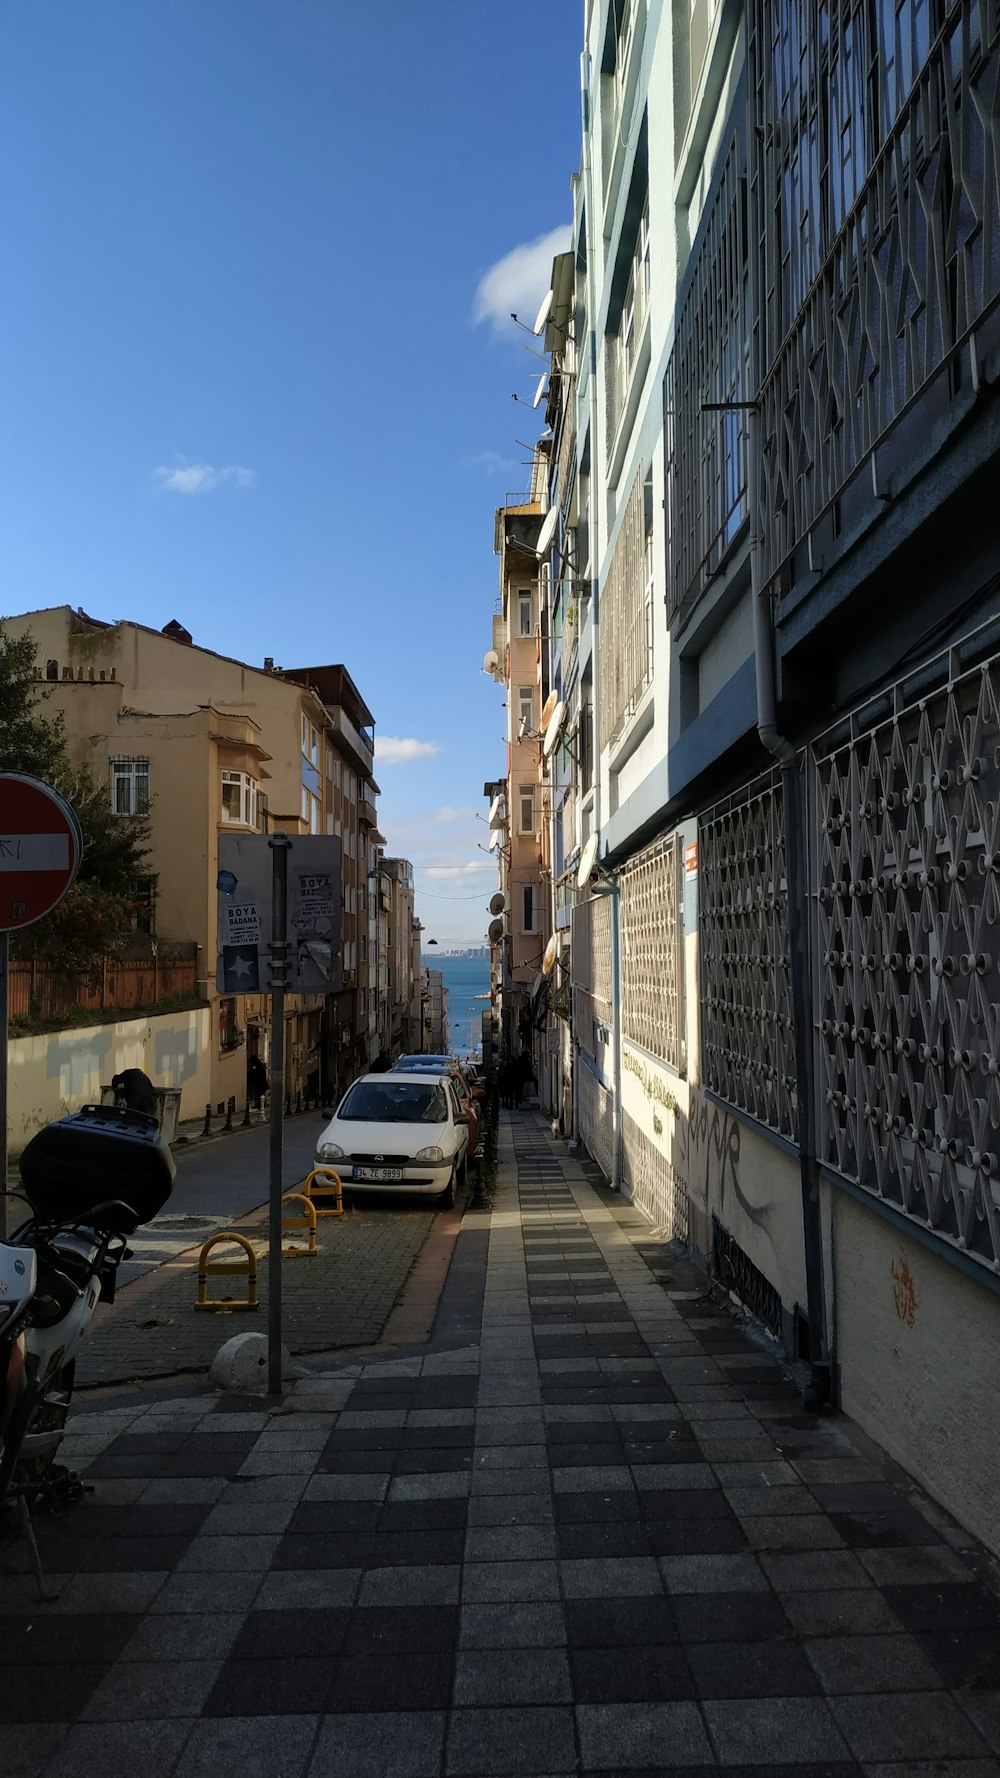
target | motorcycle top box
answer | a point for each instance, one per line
(96, 1154)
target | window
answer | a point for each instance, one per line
(526, 709)
(526, 806)
(229, 1034)
(310, 742)
(529, 920)
(130, 786)
(623, 343)
(239, 800)
(525, 614)
(311, 812)
(144, 906)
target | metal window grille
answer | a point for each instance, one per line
(656, 1187)
(626, 654)
(737, 1273)
(596, 1120)
(747, 1035)
(907, 836)
(876, 207)
(129, 785)
(706, 455)
(652, 966)
(591, 968)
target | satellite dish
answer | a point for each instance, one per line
(588, 859)
(494, 839)
(544, 311)
(491, 661)
(498, 902)
(549, 955)
(547, 532)
(494, 931)
(498, 811)
(551, 703)
(554, 730)
(540, 388)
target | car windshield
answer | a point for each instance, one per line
(394, 1102)
(438, 1064)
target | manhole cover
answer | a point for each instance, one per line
(181, 1223)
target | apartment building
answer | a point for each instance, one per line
(772, 460)
(520, 803)
(205, 744)
(398, 1027)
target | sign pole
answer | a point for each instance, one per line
(5, 1216)
(279, 844)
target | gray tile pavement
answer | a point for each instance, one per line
(549, 1542)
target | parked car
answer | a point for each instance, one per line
(450, 1065)
(395, 1132)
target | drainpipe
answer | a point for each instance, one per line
(817, 1395)
(616, 1040)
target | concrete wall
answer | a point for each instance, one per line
(51, 1076)
(918, 1344)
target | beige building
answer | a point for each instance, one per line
(205, 744)
(520, 805)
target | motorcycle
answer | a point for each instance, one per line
(54, 1271)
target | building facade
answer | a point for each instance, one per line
(204, 745)
(785, 327)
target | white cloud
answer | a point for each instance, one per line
(448, 813)
(518, 281)
(458, 870)
(492, 463)
(201, 478)
(391, 751)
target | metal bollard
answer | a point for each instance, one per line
(247, 1119)
(245, 1267)
(332, 1190)
(230, 1108)
(207, 1128)
(300, 1222)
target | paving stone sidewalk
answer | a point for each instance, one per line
(340, 1297)
(586, 1529)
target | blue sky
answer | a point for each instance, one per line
(256, 369)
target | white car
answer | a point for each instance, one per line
(398, 1131)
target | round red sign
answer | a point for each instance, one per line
(40, 850)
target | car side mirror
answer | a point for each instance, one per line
(327, 1112)
(462, 1117)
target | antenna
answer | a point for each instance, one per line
(498, 902)
(588, 860)
(547, 532)
(544, 311)
(540, 388)
(549, 955)
(494, 840)
(552, 732)
(494, 931)
(548, 707)
(491, 661)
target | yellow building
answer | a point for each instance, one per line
(205, 744)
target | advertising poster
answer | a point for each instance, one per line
(246, 864)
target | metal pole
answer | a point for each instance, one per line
(5, 1216)
(280, 845)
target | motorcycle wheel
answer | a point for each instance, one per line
(48, 1416)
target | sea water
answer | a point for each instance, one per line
(465, 978)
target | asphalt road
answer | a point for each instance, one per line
(217, 1182)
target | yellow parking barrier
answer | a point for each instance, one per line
(246, 1268)
(334, 1191)
(300, 1222)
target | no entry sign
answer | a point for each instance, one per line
(40, 847)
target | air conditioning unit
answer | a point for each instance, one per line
(349, 977)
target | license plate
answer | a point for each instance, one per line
(378, 1175)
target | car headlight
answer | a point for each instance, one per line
(329, 1151)
(429, 1154)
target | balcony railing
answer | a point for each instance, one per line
(902, 306)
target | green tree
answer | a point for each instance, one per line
(96, 916)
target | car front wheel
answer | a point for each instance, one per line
(447, 1198)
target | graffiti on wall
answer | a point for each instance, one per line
(904, 1292)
